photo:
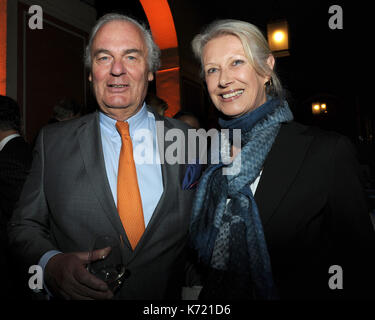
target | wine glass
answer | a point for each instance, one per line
(110, 268)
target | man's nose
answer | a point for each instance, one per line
(118, 68)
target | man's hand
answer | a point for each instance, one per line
(66, 276)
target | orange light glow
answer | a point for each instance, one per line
(3, 46)
(169, 70)
(278, 38)
(161, 22)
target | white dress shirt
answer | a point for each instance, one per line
(142, 129)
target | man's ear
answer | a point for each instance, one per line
(150, 76)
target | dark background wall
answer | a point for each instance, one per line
(50, 67)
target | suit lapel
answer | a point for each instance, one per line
(169, 173)
(165, 170)
(280, 168)
(92, 153)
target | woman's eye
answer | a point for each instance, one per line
(211, 70)
(237, 62)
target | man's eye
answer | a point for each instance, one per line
(131, 58)
(103, 59)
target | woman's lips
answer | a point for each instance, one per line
(231, 95)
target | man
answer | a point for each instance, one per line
(65, 109)
(188, 118)
(157, 103)
(15, 160)
(15, 155)
(72, 192)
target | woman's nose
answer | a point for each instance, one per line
(225, 79)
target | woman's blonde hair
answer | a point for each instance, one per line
(254, 43)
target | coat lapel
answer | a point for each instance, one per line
(92, 153)
(280, 168)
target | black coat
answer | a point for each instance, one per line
(15, 160)
(315, 215)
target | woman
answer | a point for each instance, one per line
(306, 233)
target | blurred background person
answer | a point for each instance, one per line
(15, 160)
(65, 109)
(157, 103)
(188, 118)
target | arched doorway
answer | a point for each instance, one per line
(163, 30)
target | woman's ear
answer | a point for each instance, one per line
(271, 61)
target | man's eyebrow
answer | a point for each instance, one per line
(133, 51)
(127, 51)
(99, 51)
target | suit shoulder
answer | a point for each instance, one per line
(170, 122)
(69, 125)
(16, 149)
(16, 144)
(328, 144)
(174, 123)
(319, 134)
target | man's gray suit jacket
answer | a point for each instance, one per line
(66, 202)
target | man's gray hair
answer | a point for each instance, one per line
(153, 51)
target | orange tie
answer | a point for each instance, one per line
(129, 204)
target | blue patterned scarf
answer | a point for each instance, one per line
(229, 238)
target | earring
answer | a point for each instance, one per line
(269, 84)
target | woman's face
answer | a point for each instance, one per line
(234, 86)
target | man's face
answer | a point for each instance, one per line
(119, 72)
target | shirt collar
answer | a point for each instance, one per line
(137, 121)
(7, 139)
